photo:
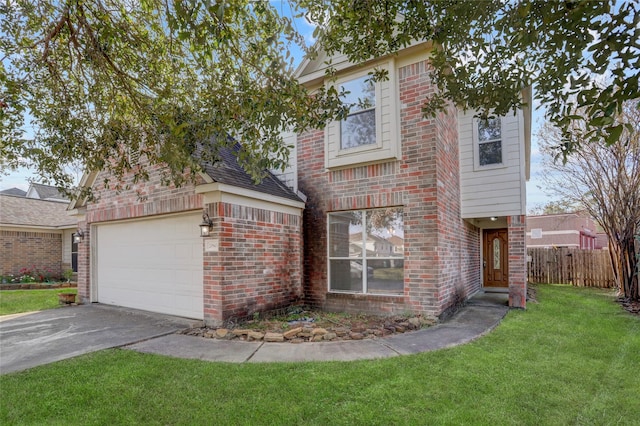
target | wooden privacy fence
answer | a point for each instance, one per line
(585, 268)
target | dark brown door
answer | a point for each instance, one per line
(496, 258)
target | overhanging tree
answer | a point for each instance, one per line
(605, 181)
(96, 79)
(486, 52)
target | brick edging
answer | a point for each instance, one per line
(36, 286)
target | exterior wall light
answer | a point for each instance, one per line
(207, 224)
(493, 218)
(78, 236)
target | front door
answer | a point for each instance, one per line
(496, 258)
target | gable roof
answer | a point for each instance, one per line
(229, 172)
(14, 191)
(226, 171)
(22, 211)
(46, 192)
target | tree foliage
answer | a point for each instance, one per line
(486, 52)
(554, 207)
(93, 81)
(605, 181)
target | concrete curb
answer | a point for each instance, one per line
(470, 323)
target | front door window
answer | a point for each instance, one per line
(496, 261)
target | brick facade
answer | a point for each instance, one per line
(28, 249)
(257, 267)
(441, 258)
(517, 227)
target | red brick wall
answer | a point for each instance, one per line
(34, 250)
(139, 199)
(258, 266)
(84, 262)
(441, 251)
(517, 227)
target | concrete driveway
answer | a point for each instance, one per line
(43, 337)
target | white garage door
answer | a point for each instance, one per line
(153, 265)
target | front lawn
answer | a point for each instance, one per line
(16, 301)
(571, 359)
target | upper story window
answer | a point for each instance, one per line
(370, 133)
(489, 142)
(359, 128)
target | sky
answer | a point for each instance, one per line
(535, 196)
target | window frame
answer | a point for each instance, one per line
(363, 257)
(387, 146)
(477, 143)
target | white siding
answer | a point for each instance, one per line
(290, 175)
(497, 191)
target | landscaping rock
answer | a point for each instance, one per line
(415, 323)
(290, 334)
(320, 329)
(330, 336)
(255, 335)
(273, 337)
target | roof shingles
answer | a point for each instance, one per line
(33, 212)
(229, 172)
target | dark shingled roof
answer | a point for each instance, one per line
(229, 172)
(34, 212)
(48, 192)
(14, 191)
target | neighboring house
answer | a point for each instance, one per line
(46, 192)
(17, 192)
(453, 186)
(573, 230)
(148, 254)
(36, 234)
(448, 193)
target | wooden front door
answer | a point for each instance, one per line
(496, 258)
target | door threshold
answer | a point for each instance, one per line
(495, 289)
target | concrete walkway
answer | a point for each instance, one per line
(483, 313)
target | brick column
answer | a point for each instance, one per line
(211, 271)
(517, 226)
(84, 264)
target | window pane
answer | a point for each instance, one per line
(489, 129)
(496, 253)
(345, 234)
(346, 275)
(385, 276)
(358, 129)
(362, 94)
(490, 153)
(385, 233)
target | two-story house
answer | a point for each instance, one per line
(384, 212)
(452, 187)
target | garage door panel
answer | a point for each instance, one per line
(153, 265)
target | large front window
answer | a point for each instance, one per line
(359, 128)
(366, 251)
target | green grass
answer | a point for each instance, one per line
(16, 301)
(571, 359)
